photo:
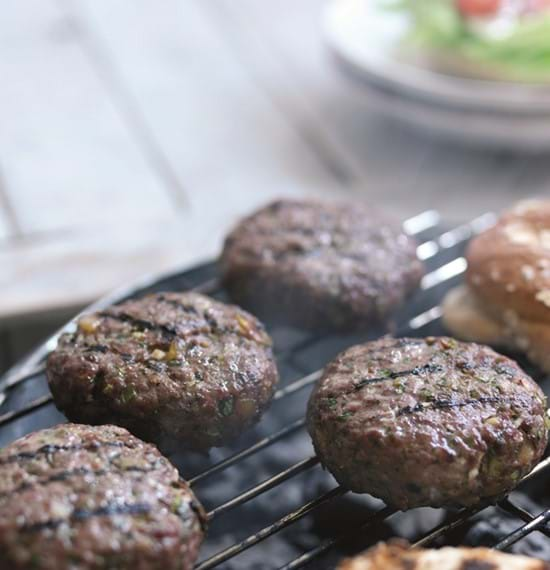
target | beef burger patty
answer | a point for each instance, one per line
(430, 421)
(173, 368)
(313, 264)
(94, 498)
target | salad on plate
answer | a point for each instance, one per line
(492, 39)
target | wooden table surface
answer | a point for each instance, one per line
(134, 133)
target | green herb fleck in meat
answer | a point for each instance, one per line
(225, 407)
(128, 394)
(344, 416)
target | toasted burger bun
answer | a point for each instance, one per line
(509, 264)
(506, 300)
(464, 314)
(397, 555)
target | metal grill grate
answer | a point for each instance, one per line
(442, 254)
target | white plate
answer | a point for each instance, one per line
(365, 38)
(523, 133)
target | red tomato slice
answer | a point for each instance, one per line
(478, 8)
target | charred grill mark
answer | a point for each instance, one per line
(416, 371)
(50, 449)
(212, 323)
(126, 359)
(154, 365)
(449, 404)
(169, 331)
(99, 383)
(140, 324)
(465, 366)
(82, 515)
(97, 348)
(187, 308)
(69, 474)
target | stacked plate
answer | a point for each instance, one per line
(365, 41)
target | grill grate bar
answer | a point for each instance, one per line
(459, 518)
(455, 236)
(258, 446)
(13, 415)
(444, 273)
(39, 369)
(298, 385)
(524, 530)
(381, 515)
(513, 509)
(266, 485)
(267, 531)
(426, 318)
(464, 514)
(32, 406)
(421, 222)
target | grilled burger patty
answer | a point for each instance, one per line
(331, 265)
(430, 421)
(80, 497)
(398, 556)
(173, 368)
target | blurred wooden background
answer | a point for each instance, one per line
(134, 133)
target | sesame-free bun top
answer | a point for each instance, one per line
(509, 264)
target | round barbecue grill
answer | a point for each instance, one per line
(270, 503)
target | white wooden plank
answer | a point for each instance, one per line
(6, 229)
(231, 146)
(68, 159)
(69, 270)
(9, 222)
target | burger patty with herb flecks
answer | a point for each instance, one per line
(174, 368)
(77, 497)
(427, 422)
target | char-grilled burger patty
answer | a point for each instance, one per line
(179, 369)
(431, 421)
(94, 498)
(319, 264)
